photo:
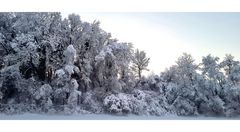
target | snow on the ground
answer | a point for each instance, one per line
(29, 116)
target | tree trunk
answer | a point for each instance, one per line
(139, 73)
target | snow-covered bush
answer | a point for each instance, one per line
(112, 103)
(59, 96)
(43, 92)
(74, 94)
(10, 84)
(125, 102)
(117, 103)
(217, 105)
(156, 104)
(138, 94)
(233, 101)
(214, 106)
(184, 106)
(43, 97)
(17, 108)
(138, 104)
(91, 103)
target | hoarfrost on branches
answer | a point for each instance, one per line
(54, 65)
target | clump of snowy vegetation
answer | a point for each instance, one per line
(68, 66)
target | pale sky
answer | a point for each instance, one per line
(165, 36)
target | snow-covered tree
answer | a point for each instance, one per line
(140, 62)
(66, 87)
(180, 85)
(50, 64)
(186, 67)
(211, 70)
(107, 73)
(210, 67)
(228, 63)
(234, 76)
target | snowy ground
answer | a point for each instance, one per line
(105, 117)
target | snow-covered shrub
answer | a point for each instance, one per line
(138, 107)
(17, 108)
(66, 98)
(74, 94)
(233, 101)
(125, 102)
(10, 84)
(43, 97)
(148, 103)
(48, 105)
(138, 94)
(59, 96)
(213, 107)
(154, 107)
(27, 90)
(91, 103)
(10, 109)
(156, 103)
(184, 106)
(112, 103)
(117, 103)
(67, 110)
(137, 102)
(43, 92)
(217, 105)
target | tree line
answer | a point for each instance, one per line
(50, 64)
